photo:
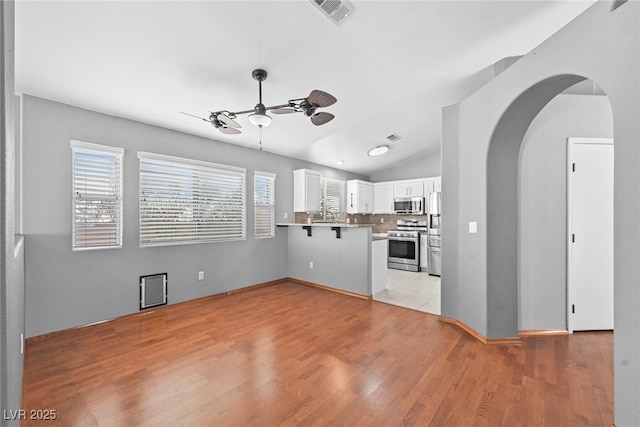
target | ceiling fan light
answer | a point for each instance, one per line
(378, 151)
(259, 120)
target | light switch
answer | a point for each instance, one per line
(286, 215)
(473, 227)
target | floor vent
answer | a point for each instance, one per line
(336, 10)
(153, 290)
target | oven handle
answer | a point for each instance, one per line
(404, 239)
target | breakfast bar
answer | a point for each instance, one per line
(344, 257)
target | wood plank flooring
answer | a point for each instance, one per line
(288, 354)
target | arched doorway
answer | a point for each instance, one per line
(502, 201)
(544, 242)
(480, 143)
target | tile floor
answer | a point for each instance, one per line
(418, 291)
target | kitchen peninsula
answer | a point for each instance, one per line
(340, 256)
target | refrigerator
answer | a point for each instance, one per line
(434, 236)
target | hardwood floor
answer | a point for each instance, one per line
(288, 354)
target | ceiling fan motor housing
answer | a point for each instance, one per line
(259, 74)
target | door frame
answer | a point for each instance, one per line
(571, 142)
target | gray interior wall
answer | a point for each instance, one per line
(343, 263)
(542, 221)
(602, 45)
(421, 166)
(66, 289)
(430, 164)
(11, 246)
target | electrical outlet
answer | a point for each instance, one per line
(200, 275)
(286, 215)
(310, 265)
(355, 220)
(381, 220)
(473, 227)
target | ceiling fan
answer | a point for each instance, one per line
(223, 120)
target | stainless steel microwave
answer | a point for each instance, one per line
(408, 205)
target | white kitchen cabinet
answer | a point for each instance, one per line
(306, 190)
(383, 198)
(432, 185)
(359, 197)
(413, 188)
(437, 184)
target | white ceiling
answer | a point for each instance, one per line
(392, 65)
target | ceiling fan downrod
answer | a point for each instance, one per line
(259, 117)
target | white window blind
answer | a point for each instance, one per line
(97, 196)
(332, 200)
(264, 188)
(189, 201)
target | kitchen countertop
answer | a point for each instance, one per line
(374, 236)
(323, 224)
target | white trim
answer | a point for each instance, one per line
(265, 174)
(143, 155)
(89, 146)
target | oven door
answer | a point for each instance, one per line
(404, 253)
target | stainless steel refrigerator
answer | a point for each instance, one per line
(434, 237)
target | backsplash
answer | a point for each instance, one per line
(389, 221)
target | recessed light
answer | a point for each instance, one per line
(340, 162)
(378, 151)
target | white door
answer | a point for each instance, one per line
(590, 234)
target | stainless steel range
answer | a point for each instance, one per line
(404, 244)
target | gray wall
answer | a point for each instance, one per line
(422, 166)
(65, 289)
(343, 263)
(543, 204)
(603, 45)
(429, 164)
(11, 246)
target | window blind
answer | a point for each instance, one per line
(97, 196)
(332, 199)
(264, 187)
(189, 201)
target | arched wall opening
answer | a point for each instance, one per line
(502, 202)
(582, 111)
(480, 145)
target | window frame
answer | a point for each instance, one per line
(321, 215)
(271, 179)
(98, 150)
(200, 171)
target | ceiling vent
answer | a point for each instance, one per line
(335, 10)
(393, 137)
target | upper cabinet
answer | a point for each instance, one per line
(413, 188)
(359, 197)
(306, 190)
(383, 198)
(432, 185)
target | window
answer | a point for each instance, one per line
(331, 200)
(189, 201)
(264, 215)
(97, 196)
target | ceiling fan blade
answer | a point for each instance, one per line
(282, 110)
(321, 118)
(197, 117)
(228, 121)
(229, 131)
(318, 98)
